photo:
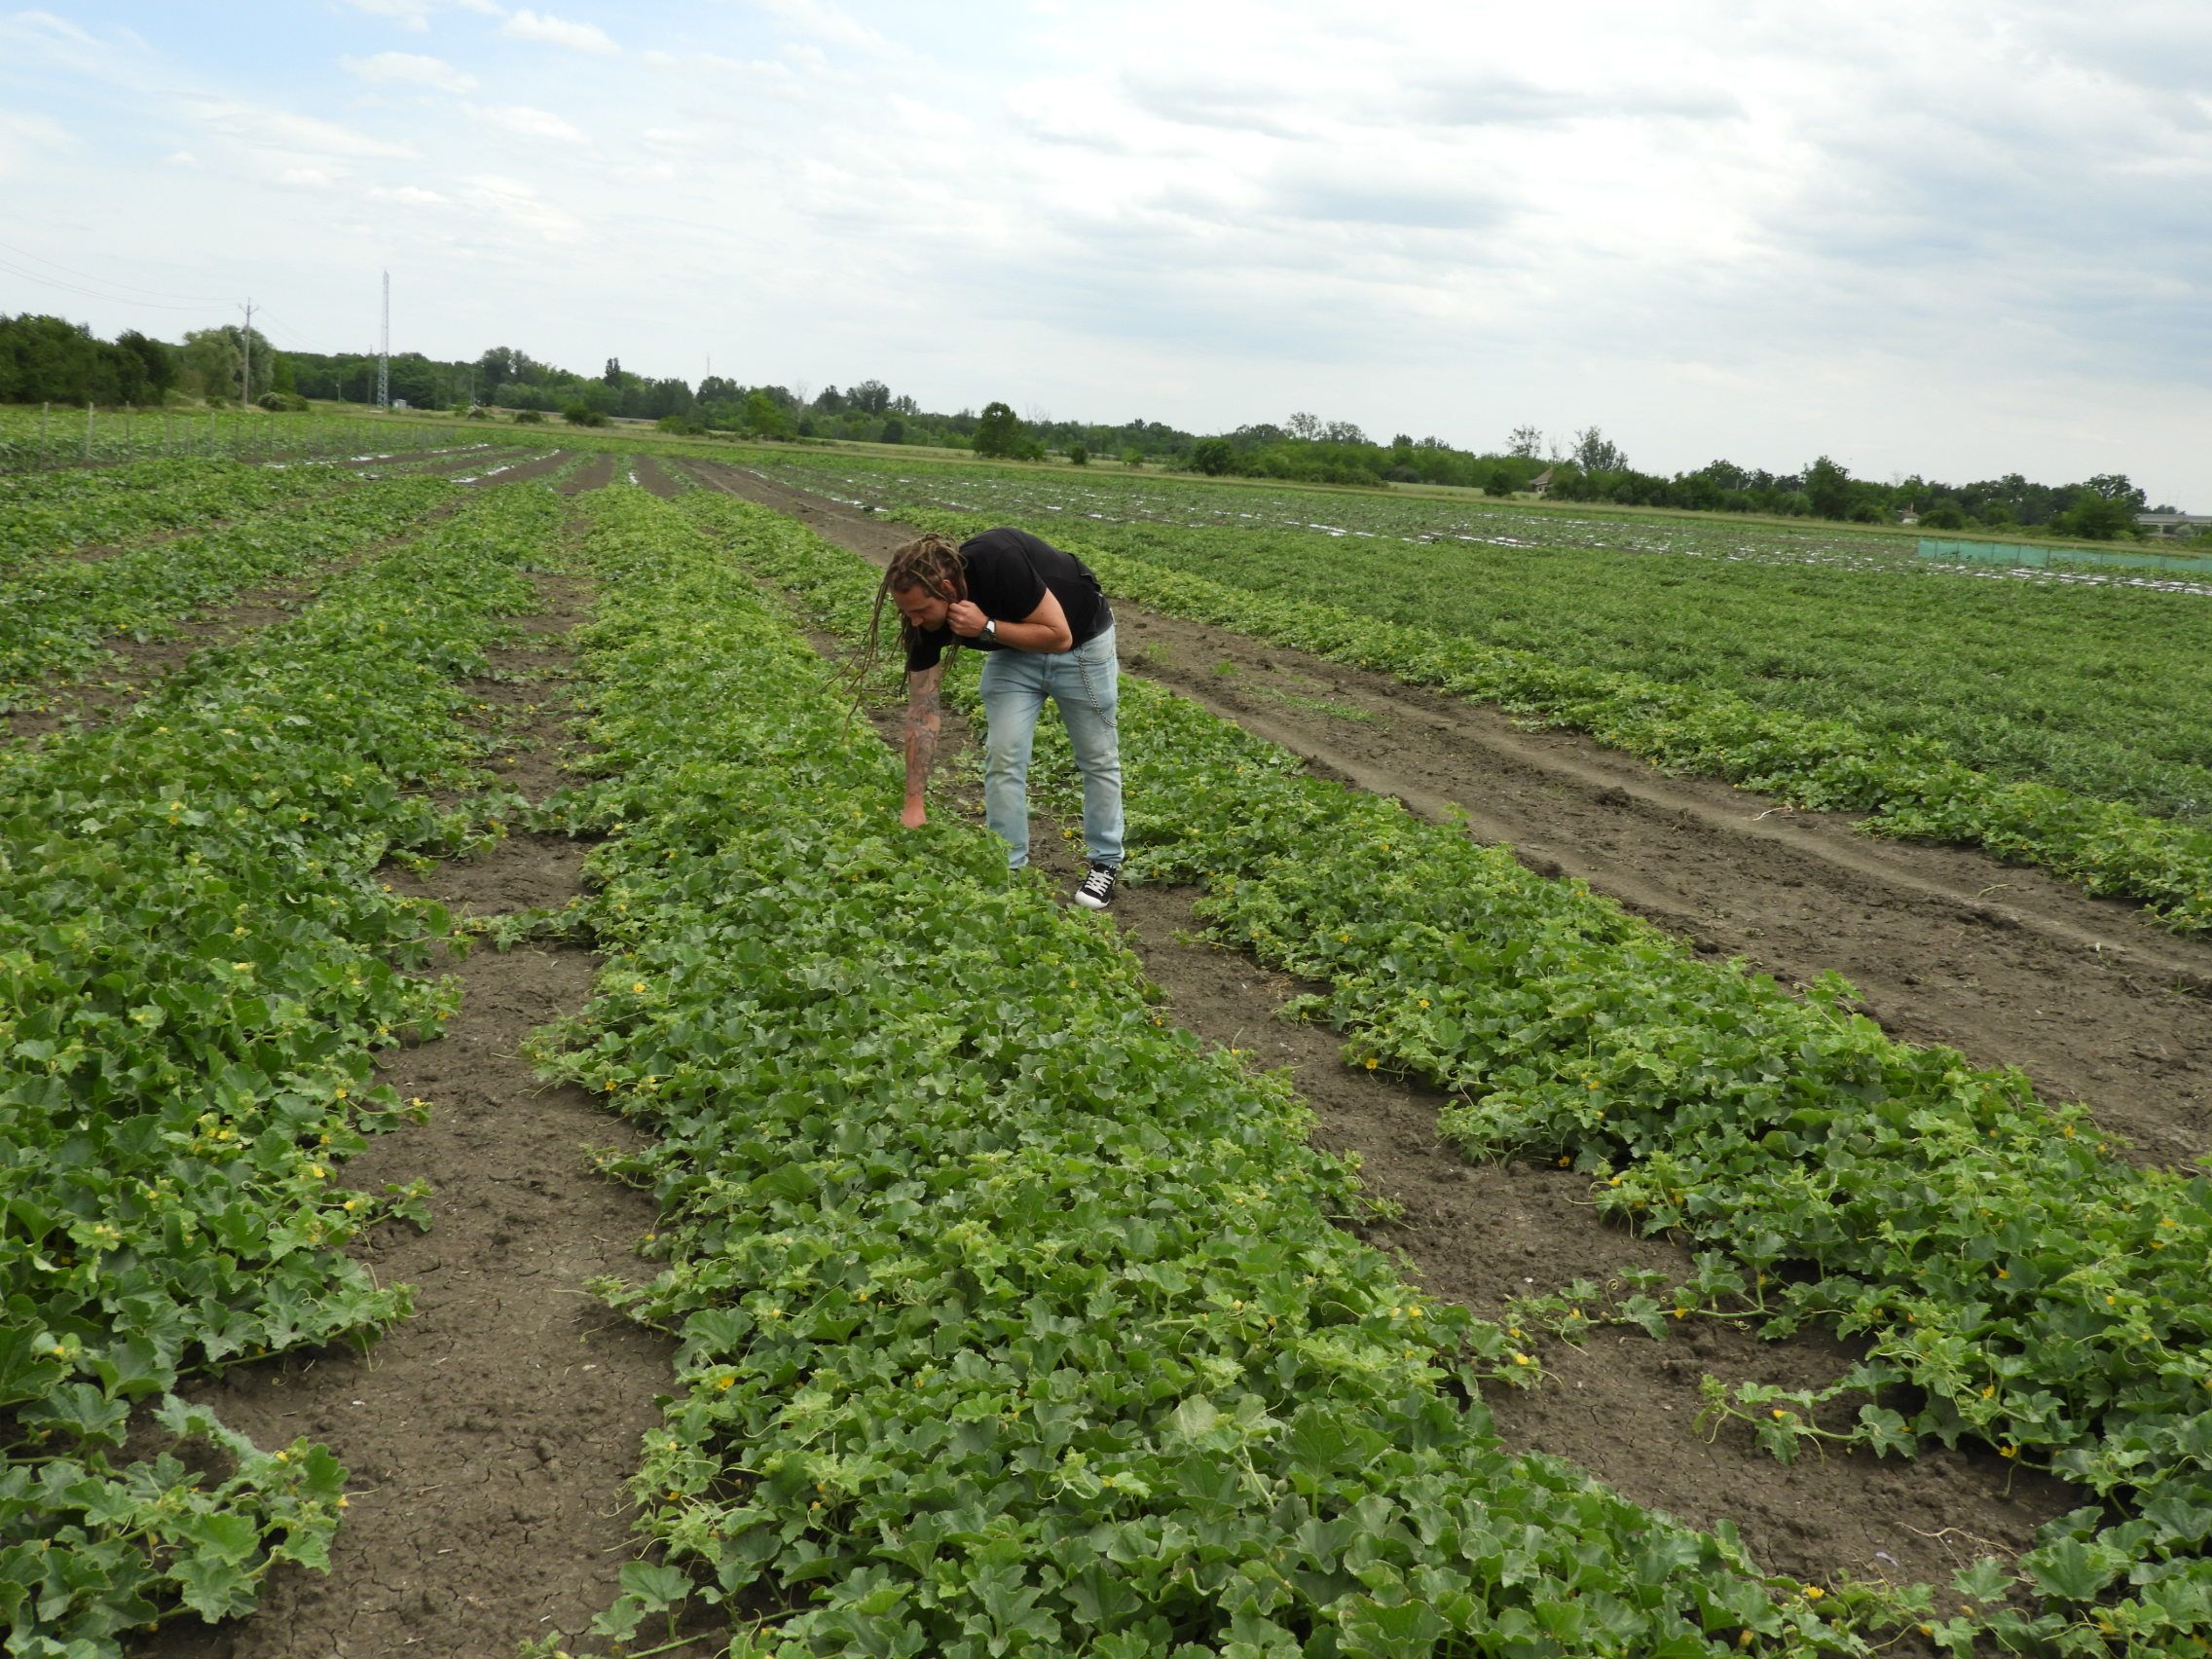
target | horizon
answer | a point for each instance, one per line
(1963, 249)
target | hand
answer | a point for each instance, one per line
(915, 815)
(967, 618)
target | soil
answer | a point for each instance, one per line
(1792, 898)
(491, 1435)
(542, 462)
(658, 478)
(597, 476)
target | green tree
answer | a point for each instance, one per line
(1828, 487)
(158, 371)
(765, 416)
(1213, 456)
(2096, 517)
(999, 432)
(1594, 452)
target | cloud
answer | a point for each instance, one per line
(306, 178)
(412, 69)
(829, 24)
(284, 132)
(526, 123)
(517, 204)
(559, 31)
(413, 16)
(409, 196)
(180, 159)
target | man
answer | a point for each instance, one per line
(1045, 631)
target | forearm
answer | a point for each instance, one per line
(922, 730)
(1043, 638)
(925, 719)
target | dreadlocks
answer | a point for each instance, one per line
(930, 563)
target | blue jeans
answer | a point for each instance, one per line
(1085, 684)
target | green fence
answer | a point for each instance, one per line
(2014, 553)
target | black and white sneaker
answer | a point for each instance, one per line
(1097, 889)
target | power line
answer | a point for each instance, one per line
(109, 299)
(109, 281)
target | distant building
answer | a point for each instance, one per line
(1908, 515)
(1540, 483)
(2169, 525)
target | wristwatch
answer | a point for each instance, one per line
(990, 627)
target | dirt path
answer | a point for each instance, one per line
(597, 476)
(538, 465)
(659, 479)
(1945, 945)
(491, 1435)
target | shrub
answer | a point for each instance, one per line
(582, 414)
(529, 418)
(1078, 456)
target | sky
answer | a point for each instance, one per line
(1943, 238)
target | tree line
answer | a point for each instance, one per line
(44, 359)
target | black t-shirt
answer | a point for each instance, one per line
(1008, 574)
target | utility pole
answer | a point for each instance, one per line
(384, 353)
(245, 360)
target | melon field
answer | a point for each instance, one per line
(1644, 1093)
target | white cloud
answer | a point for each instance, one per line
(24, 137)
(526, 123)
(281, 130)
(180, 159)
(830, 24)
(409, 196)
(306, 178)
(559, 31)
(413, 16)
(410, 68)
(517, 204)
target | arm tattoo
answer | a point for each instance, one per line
(924, 722)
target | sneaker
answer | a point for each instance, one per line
(1097, 889)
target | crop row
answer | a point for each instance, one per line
(1011, 1318)
(56, 612)
(2101, 691)
(1908, 785)
(32, 439)
(2016, 1283)
(197, 965)
(58, 512)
